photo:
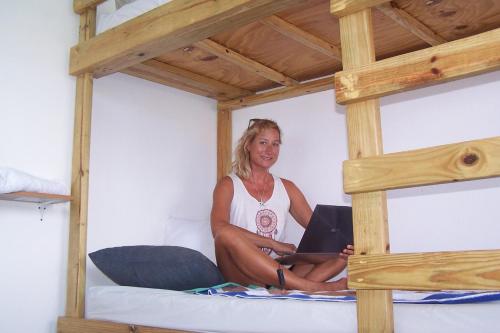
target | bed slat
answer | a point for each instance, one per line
(280, 94)
(342, 8)
(160, 72)
(166, 28)
(78, 325)
(246, 63)
(450, 61)
(436, 165)
(461, 270)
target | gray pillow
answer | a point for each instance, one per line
(161, 267)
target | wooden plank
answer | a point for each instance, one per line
(77, 325)
(450, 61)
(293, 32)
(246, 63)
(371, 236)
(411, 24)
(77, 247)
(279, 94)
(163, 73)
(342, 8)
(436, 165)
(224, 142)
(80, 6)
(426, 271)
(166, 28)
(35, 197)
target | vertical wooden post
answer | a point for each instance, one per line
(365, 139)
(224, 141)
(77, 249)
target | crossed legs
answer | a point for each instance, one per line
(242, 262)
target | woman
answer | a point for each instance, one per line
(248, 217)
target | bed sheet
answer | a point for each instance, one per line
(204, 313)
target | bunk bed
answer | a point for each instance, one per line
(248, 52)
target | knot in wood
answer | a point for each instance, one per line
(470, 159)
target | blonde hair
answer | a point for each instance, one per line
(241, 164)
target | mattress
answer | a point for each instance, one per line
(107, 21)
(209, 313)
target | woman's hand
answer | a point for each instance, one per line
(349, 250)
(284, 248)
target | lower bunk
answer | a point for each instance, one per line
(131, 309)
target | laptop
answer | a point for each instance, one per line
(329, 232)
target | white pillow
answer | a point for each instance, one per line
(190, 233)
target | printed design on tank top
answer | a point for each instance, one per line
(267, 223)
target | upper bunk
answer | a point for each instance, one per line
(248, 52)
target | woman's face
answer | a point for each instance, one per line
(265, 148)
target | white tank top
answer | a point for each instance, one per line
(267, 220)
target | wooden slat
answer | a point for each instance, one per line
(374, 308)
(35, 197)
(246, 63)
(166, 74)
(77, 325)
(224, 142)
(436, 165)
(426, 271)
(453, 60)
(293, 32)
(411, 24)
(166, 28)
(279, 94)
(77, 247)
(341, 8)
(80, 6)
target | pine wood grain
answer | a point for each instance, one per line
(166, 28)
(80, 6)
(341, 8)
(436, 165)
(279, 94)
(35, 197)
(462, 270)
(78, 325)
(450, 61)
(224, 141)
(374, 309)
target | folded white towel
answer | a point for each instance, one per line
(12, 180)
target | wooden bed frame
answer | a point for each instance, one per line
(384, 50)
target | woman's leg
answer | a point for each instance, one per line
(320, 272)
(241, 261)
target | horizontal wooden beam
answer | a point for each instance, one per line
(450, 61)
(80, 6)
(159, 72)
(459, 270)
(244, 62)
(79, 325)
(341, 8)
(166, 28)
(303, 37)
(411, 24)
(436, 165)
(279, 94)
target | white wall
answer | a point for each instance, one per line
(153, 155)
(433, 218)
(149, 152)
(36, 130)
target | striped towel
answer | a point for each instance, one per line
(399, 296)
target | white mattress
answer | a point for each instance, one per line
(200, 313)
(109, 20)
